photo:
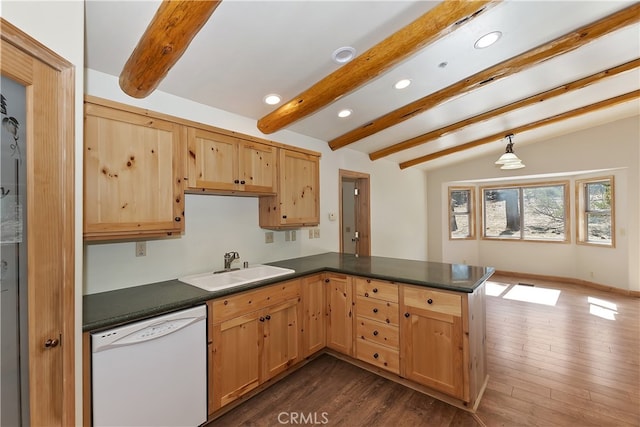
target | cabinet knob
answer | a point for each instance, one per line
(375, 333)
(366, 294)
(368, 280)
(51, 343)
(268, 317)
(236, 181)
(375, 310)
(284, 217)
(429, 301)
(407, 315)
(326, 280)
(242, 182)
(375, 355)
(375, 290)
(261, 319)
(177, 219)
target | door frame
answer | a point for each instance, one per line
(50, 183)
(363, 209)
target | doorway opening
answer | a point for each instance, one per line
(355, 215)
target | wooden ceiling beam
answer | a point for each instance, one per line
(535, 56)
(530, 126)
(433, 25)
(535, 99)
(167, 37)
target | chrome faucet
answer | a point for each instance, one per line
(228, 259)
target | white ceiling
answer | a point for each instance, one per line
(249, 49)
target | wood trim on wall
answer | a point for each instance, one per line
(571, 281)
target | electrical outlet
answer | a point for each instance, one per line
(287, 236)
(293, 235)
(268, 237)
(316, 233)
(141, 248)
(311, 233)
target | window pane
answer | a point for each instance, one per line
(502, 213)
(460, 226)
(598, 196)
(544, 214)
(460, 201)
(599, 228)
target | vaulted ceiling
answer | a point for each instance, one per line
(558, 66)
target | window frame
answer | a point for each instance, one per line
(520, 187)
(582, 212)
(471, 212)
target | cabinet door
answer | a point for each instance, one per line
(132, 175)
(236, 358)
(313, 303)
(280, 323)
(257, 165)
(299, 188)
(432, 347)
(212, 161)
(339, 291)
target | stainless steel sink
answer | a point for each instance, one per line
(214, 282)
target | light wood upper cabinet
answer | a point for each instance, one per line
(297, 202)
(132, 175)
(219, 163)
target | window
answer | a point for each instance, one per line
(461, 213)
(595, 211)
(532, 212)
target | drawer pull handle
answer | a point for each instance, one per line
(375, 333)
(375, 355)
(429, 301)
(375, 290)
(375, 310)
(407, 315)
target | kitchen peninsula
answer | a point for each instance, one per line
(419, 323)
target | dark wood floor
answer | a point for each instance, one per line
(575, 363)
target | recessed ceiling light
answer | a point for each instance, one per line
(344, 113)
(272, 99)
(343, 54)
(487, 40)
(401, 84)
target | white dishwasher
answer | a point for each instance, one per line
(152, 372)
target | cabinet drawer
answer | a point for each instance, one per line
(246, 302)
(376, 289)
(380, 333)
(386, 312)
(429, 299)
(378, 355)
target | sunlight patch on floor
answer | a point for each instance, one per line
(533, 294)
(495, 289)
(601, 308)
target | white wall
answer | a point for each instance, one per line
(59, 25)
(609, 149)
(217, 224)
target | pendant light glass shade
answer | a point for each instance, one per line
(509, 160)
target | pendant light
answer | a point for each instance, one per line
(509, 160)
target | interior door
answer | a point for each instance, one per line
(48, 162)
(355, 229)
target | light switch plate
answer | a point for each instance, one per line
(141, 249)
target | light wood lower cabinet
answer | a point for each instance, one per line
(314, 309)
(432, 340)
(255, 335)
(339, 297)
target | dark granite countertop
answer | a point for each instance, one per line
(108, 309)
